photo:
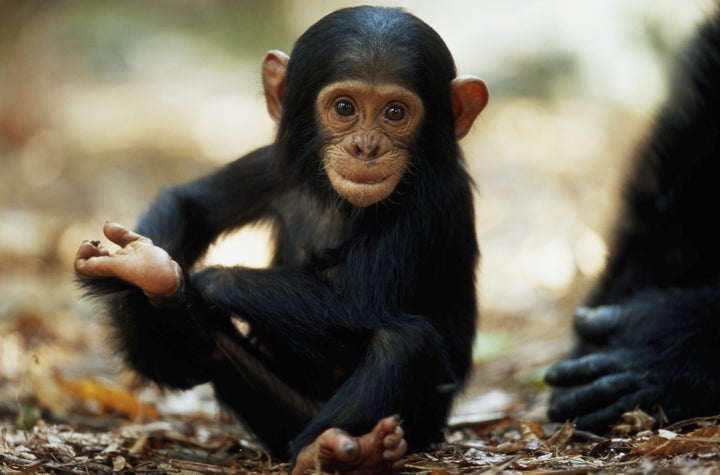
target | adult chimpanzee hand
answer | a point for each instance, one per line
(651, 352)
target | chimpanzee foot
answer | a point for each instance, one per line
(380, 451)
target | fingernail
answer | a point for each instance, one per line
(584, 312)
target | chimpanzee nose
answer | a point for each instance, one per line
(365, 146)
(366, 151)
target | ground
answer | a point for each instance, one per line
(103, 103)
(68, 408)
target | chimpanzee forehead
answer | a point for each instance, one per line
(374, 43)
(377, 67)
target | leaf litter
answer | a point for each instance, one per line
(59, 416)
(214, 445)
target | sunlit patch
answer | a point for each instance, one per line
(590, 253)
(250, 246)
(222, 130)
(550, 264)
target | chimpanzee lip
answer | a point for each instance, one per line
(362, 179)
(367, 182)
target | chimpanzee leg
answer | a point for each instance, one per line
(183, 343)
(275, 411)
(405, 372)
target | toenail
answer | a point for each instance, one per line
(349, 447)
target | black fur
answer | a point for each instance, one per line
(363, 313)
(650, 335)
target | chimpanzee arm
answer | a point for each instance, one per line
(185, 219)
(293, 306)
(648, 339)
(167, 342)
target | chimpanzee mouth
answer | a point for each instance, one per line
(364, 177)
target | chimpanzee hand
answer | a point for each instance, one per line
(139, 262)
(215, 286)
(600, 385)
(653, 351)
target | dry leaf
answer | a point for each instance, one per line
(559, 439)
(711, 433)
(119, 463)
(47, 392)
(702, 440)
(530, 430)
(633, 422)
(108, 398)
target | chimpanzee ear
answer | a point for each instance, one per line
(273, 76)
(469, 97)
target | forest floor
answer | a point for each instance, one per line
(66, 407)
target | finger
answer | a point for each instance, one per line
(94, 266)
(581, 370)
(121, 235)
(88, 251)
(567, 403)
(596, 324)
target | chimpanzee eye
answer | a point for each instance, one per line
(344, 108)
(395, 113)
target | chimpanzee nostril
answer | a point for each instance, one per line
(366, 151)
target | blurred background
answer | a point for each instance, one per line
(103, 103)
